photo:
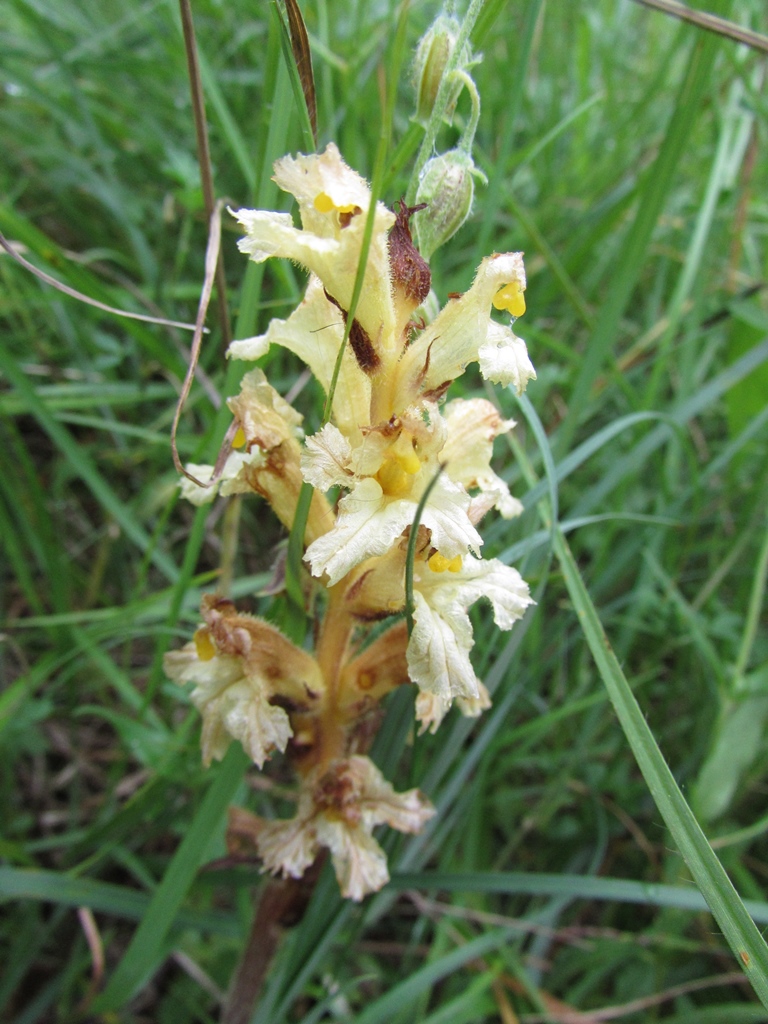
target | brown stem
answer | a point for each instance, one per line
(281, 905)
(331, 654)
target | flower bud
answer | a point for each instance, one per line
(447, 189)
(432, 54)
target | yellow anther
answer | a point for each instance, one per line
(393, 479)
(510, 297)
(402, 451)
(439, 563)
(239, 439)
(324, 203)
(204, 646)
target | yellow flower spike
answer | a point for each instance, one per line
(439, 563)
(204, 646)
(510, 297)
(238, 441)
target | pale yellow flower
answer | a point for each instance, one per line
(338, 808)
(243, 670)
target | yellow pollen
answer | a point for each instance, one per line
(439, 563)
(510, 297)
(402, 451)
(324, 204)
(239, 439)
(393, 479)
(204, 646)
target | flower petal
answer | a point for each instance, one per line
(472, 426)
(326, 458)
(242, 712)
(359, 861)
(331, 241)
(504, 359)
(314, 332)
(368, 522)
(438, 651)
(462, 328)
(501, 584)
(287, 847)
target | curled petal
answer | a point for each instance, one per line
(287, 847)
(472, 425)
(503, 358)
(473, 707)
(369, 522)
(358, 860)
(431, 709)
(501, 584)
(232, 479)
(441, 641)
(326, 458)
(233, 703)
(438, 651)
(242, 712)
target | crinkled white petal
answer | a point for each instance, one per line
(233, 478)
(326, 458)
(445, 514)
(273, 234)
(242, 712)
(382, 805)
(438, 651)
(211, 676)
(471, 426)
(503, 358)
(359, 861)
(366, 525)
(501, 584)
(231, 481)
(232, 705)
(431, 709)
(192, 491)
(368, 522)
(473, 707)
(287, 847)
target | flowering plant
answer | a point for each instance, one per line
(390, 449)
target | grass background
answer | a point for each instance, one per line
(624, 155)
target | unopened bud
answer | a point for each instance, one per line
(432, 54)
(447, 190)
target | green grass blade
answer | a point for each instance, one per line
(660, 177)
(147, 949)
(587, 887)
(82, 465)
(401, 996)
(737, 926)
